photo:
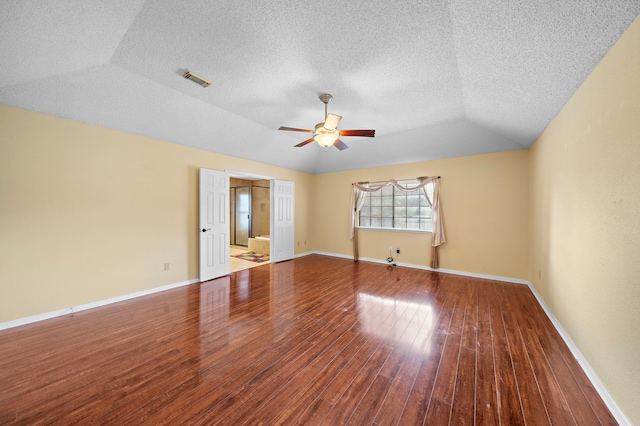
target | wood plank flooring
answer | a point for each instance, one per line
(315, 340)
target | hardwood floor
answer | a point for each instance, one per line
(309, 341)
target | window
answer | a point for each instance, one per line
(391, 208)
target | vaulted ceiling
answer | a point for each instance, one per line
(435, 79)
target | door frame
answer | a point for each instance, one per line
(253, 176)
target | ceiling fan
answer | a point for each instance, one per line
(326, 133)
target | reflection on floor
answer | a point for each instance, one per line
(239, 264)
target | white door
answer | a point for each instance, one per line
(282, 245)
(214, 224)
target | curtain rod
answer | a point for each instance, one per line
(362, 183)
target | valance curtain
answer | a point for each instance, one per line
(430, 185)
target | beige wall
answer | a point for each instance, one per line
(88, 213)
(485, 208)
(585, 220)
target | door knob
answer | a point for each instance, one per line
(205, 230)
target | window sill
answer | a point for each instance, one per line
(416, 231)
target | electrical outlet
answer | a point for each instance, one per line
(398, 251)
(166, 266)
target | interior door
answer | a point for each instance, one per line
(214, 224)
(282, 224)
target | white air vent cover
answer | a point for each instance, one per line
(196, 78)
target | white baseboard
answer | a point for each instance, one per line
(78, 308)
(303, 254)
(591, 374)
(426, 268)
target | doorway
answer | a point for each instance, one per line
(274, 231)
(250, 221)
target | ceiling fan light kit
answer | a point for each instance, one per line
(327, 133)
(325, 140)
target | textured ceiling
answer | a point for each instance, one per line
(435, 79)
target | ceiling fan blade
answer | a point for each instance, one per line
(332, 121)
(293, 129)
(303, 143)
(340, 145)
(365, 133)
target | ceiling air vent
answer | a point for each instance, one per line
(196, 78)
